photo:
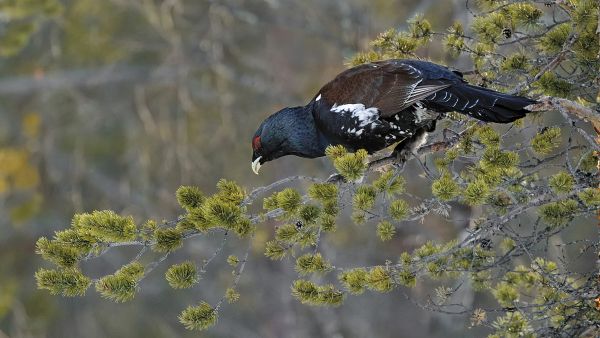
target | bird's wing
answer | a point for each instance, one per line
(390, 86)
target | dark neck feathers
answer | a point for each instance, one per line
(303, 137)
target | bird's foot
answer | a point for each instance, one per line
(402, 156)
(400, 161)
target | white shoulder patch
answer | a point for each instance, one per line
(365, 116)
(347, 108)
(318, 97)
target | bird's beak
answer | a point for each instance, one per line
(256, 165)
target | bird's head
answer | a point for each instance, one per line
(271, 139)
(290, 131)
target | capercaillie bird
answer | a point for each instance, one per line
(378, 104)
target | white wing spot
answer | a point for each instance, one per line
(318, 97)
(365, 116)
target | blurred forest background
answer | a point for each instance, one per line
(114, 104)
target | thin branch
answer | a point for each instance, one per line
(571, 109)
(550, 66)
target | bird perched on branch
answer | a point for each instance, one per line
(378, 104)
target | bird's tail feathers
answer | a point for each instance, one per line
(483, 104)
(494, 106)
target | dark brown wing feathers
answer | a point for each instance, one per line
(390, 86)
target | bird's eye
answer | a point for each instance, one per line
(256, 143)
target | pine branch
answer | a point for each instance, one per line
(550, 66)
(570, 109)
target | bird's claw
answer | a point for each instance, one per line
(402, 156)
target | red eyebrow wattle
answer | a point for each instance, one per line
(256, 143)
